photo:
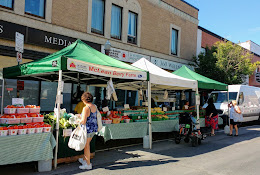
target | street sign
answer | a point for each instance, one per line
(19, 57)
(19, 42)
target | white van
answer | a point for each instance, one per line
(247, 97)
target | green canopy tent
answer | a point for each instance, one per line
(203, 82)
(78, 63)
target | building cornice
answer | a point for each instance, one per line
(175, 11)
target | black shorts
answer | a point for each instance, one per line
(233, 123)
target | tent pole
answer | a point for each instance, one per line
(3, 90)
(149, 113)
(197, 105)
(57, 121)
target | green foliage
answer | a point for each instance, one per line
(225, 62)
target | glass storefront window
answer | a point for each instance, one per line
(10, 91)
(48, 95)
(30, 94)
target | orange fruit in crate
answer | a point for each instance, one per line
(5, 128)
(1, 128)
(15, 127)
(10, 127)
(24, 127)
(20, 127)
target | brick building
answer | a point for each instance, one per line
(208, 38)
(163, 31)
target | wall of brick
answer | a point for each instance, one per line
(183, 7)
(155, 31)
(208, 40)
(70, 14)
(252, 79)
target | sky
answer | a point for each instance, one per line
(235, 20)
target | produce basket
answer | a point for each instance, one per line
(9, 110)
(35, 110)
(22, 110)
(47, 129)
(127, 120)
(116, 120)
(37, 119)
(30, 130)
(22, 131)
(38, 130)
(13, 120)
(2, 120)
(3, 132)
(12, 132)
(106, 121)
(26, 120)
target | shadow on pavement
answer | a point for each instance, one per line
(136, 164)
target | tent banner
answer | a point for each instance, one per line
(106, 71)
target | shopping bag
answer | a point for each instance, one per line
(99, 120)
(78, 138)
(238, 117)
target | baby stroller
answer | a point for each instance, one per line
(188, 131)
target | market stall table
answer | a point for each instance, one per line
(26, 148)
(124, 130)
(165, 125)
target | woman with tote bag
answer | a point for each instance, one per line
(88, 120)
(235, 117)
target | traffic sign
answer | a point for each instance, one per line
(19, 57)
(19, 42)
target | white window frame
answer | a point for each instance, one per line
(120, 37)
(175, 27)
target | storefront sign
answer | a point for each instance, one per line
(39, 37)
(166, 64)
(106, 71)
(125, 56)
(19, 40)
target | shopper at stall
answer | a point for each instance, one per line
(79, 107)
(234, 111)
(211, 119)
(89, 119)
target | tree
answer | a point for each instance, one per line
(226, 62)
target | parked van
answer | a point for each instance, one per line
(247, 97)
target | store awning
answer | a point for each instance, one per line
(75, 58)
(203, 82)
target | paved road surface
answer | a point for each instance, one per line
(218, 155)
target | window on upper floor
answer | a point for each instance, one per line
(116, 22)
(174, 42)
(35, 8)
(97, 21)
(9, 4)
(132, 28)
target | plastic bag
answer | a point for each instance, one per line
(74, 119)
(78, 138)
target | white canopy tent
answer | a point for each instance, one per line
(159, 79)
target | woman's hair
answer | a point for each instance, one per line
(234, 102)
(210, 101)
(87, 97)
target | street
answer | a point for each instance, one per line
(218, 155)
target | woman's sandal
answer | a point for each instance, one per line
(235, 135)
(229, 134)
(212, 134)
